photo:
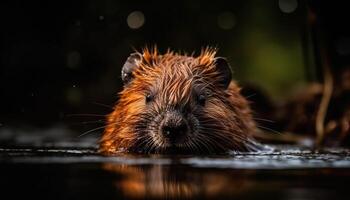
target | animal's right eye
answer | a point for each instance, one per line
(149, 97)
(201, 99)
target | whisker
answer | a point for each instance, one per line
(214, 140)
(190, 146)
(89, 122)
(249, 96)
(265, 120)
(268, 129)
(203, 140)
(235, 140)
(85, 115)
(103, 105)
(92, 130)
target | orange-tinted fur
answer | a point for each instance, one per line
(174, 77)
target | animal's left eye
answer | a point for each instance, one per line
(149, 98)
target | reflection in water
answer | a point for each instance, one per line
(289, 173)
(182, 182)
(174, 181)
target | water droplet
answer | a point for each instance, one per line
(135, 19)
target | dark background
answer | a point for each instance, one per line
(61, 60)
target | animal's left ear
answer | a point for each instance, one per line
(224, 69)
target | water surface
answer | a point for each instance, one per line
(64, 172)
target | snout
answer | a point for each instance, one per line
(174, 127)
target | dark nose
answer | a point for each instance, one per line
(174, 127)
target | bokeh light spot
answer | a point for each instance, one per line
(135, 20)
(287, 6)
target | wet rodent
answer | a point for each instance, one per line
(181, 104)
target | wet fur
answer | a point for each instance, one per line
(223, 124)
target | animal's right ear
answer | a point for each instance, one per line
(130, 65)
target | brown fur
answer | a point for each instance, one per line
(224, 123)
